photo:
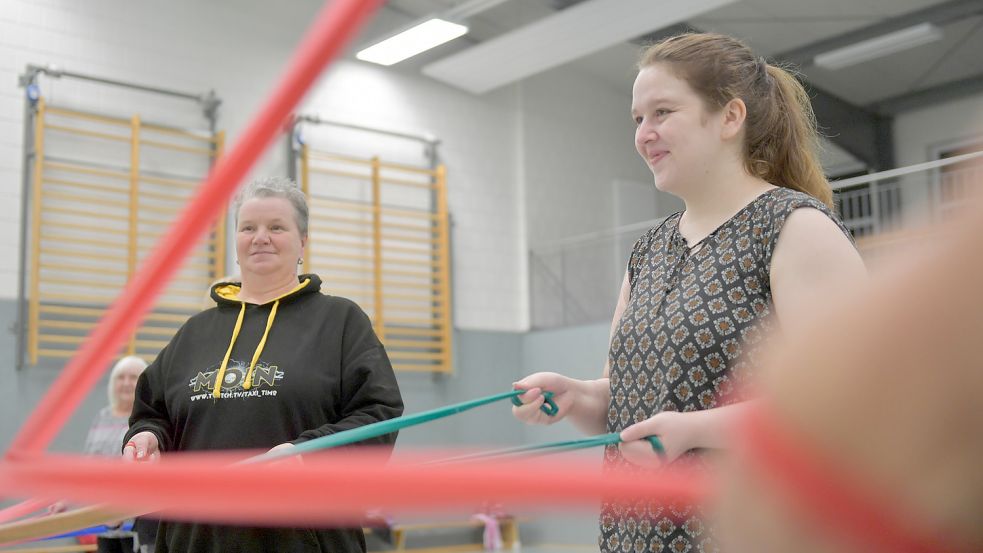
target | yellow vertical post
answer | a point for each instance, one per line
(443, 267)
(221, 222)
(305, 186)
(131, 258)
(380, 323)
(35, 300)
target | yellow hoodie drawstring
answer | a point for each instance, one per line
(248, 381)
(259, 349)
(217, 392)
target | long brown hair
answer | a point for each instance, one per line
(781, 143)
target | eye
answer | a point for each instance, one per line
(660, 113)
(638, 120)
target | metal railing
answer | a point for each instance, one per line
(576, 280)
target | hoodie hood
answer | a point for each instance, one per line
(227, 294)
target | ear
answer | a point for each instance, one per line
(733, 116)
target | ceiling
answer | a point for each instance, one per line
(858, 100)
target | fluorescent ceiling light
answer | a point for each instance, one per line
(878, 47)
(412, 41)
(572, 33)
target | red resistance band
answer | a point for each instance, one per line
(831, 494)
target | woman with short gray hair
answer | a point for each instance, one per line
(273, 364)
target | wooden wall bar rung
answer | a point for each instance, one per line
(424, 368)
(86, 185)
(415, 355)
(47, 352)
(74, 168)
(85, 228)
(409, 331)
(155, 344)
(412, 321)
(407, 168)
(337, 173)
(179, 132)
(419, 274)
(176, 147)
(348, 268)
(84, 283)
(416, 262)
(86, 132)
(87, 241)
(169, 181)
(403, 249)
(405, 182)
(403, 226)
(314, 154)
(83, 255)
(82, 269)
(88, 116)
(87, 199)
(84, 213)
(421, 344)
(166, 197)
(398, 284)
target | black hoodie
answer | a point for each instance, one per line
(299, 367)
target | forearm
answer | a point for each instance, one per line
(713, 428)
(590, 410)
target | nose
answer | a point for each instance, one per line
(261, 236)
(645, 132)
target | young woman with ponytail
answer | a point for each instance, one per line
(735, 138)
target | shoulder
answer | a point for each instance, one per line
(812, 242)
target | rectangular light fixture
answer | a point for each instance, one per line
(577, 31)
(412, 41)
(878, 47)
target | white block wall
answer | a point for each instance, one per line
(495, 145)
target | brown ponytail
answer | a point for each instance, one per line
(781, 143)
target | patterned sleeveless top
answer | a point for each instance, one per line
(685, 342)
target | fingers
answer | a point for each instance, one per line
(639, 430)
(289, 459)
(640, 453)
(530, 411)
(142, 447)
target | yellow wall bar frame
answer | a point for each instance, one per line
(305, 185)
(35, 300)
(222, 222)
(131, 261)
(443, 265)
(377, 248)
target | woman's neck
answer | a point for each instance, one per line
(122, 410)
(712, 202)
(262, 289)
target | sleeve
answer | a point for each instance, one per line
(149, 405)
(91, 447)
(772, 232)
(369, 391)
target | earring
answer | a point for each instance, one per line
(237, 261)
(300, 261)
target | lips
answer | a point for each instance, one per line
(656, 156)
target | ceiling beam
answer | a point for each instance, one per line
(938, 14)
(864, 134)
(944, 92)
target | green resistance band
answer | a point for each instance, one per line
(389, 426)
(554, 447)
